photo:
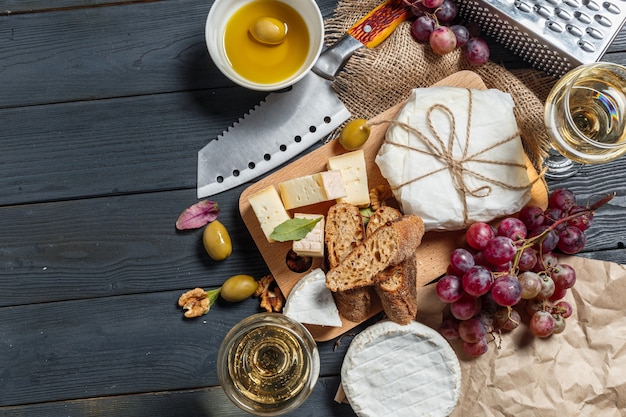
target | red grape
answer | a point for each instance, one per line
(512, 228)
(550, 238)
(500, 250)
(447, 11)
(559, 324)
(506, 291)
(559, 293)
(571, 240)
(478, 235)
(442, 40)
(461, 260)
(476, 349)
(422, 27)
(563, 308)
(472, 330)
(476, 51)
(508, 319)
(462, 34)
(542, 324)
(532, 216)
(531, 284)
(562, 199)
(547, 287)
(564, 276)
(449, 288)
(465, 307)
(432, 4)
(477, 280)
(449, 329)
(583, 219)
(527, 260)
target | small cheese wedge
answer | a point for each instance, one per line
(333, 184)
(313, 243)
(401, 371)
(312, 189)
(311, 302)
(354, 173)
(269, 209)
(302, 191)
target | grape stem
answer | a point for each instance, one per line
(539, 238)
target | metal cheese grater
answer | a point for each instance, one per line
(552, 35)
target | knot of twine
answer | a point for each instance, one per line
(457, 166)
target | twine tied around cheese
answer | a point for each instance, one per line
(457, 166)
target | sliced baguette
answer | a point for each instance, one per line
(389, 245)
(343, 232)
(397, 290)
(396, 286)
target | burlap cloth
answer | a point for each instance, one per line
(375, 79)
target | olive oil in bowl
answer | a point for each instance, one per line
(260, 62)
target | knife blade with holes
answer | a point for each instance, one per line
(287, 123)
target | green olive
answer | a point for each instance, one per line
(354, 134)
(269, 30)
(216, 241)
(238, 288)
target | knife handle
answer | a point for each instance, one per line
(378, 24)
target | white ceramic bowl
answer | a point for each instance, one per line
(222, 10)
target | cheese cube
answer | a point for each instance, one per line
(268, 209)
(302, 191)
(353, 170)
(333, 184)
(313, 243)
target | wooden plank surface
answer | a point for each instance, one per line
(103, 106)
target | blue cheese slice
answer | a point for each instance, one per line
(401, 371)
(268, 209)
(313, 243)
(311, 302)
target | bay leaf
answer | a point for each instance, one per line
(198, 215)
(294, 229)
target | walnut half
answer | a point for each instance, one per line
(272, 298)
(195, 303)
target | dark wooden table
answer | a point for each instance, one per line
(103, 106)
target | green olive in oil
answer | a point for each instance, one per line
(263, 62)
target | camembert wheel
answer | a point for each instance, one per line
(395, 370)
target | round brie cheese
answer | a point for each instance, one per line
(395, 370)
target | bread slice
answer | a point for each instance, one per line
(343, 233)
(396, 286)
(397, 290)
(380, 217)
(389, 245)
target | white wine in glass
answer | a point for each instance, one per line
(585, 117)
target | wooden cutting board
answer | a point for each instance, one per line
(435, 249)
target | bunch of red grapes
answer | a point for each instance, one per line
(435, 24)
(512, 269)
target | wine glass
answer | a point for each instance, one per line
(585, 117)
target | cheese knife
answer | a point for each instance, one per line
(287, 123)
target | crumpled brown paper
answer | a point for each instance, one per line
(580, 372)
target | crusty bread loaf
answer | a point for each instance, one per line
(343, 232)
(389, 245)
(397, 290)
(396, 286)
